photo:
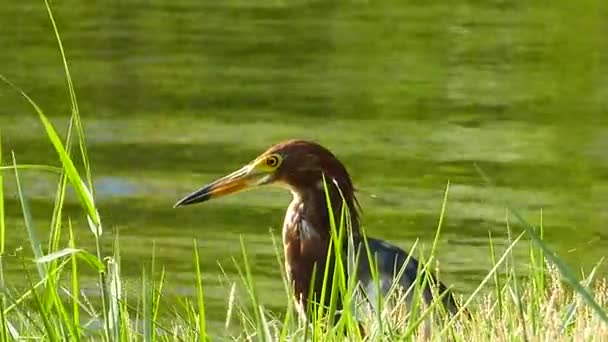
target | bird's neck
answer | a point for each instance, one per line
(306, 237)
(311, 210)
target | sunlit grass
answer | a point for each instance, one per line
(550, 303)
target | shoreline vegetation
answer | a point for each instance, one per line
(548, 303)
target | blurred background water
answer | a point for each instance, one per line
(408, 94)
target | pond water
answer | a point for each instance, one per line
(409, 95)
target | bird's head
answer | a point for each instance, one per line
(298, 165)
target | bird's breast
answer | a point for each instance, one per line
(304, 247)
(299, 231)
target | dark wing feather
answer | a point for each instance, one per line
(390, 260)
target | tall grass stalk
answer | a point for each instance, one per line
(202, 330)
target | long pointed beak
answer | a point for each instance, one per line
(237, 181)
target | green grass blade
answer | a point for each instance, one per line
(250, 285)
(497, 285)
(441, 218)
(56, 218)
(200, 297)
(55, 306)
(231, 307)
(29, 223)
(59, 254)
(146, 295)
(86, 199)
(330, 253)
(73, 101)
(4, 323)
(87, 257)
(113, 318)
(158, 296)
(571, 308)
(33, 167)
(75, 285)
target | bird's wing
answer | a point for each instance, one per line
(394, 266)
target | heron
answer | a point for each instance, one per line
(302, 167)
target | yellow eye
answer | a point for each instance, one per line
(273, 161)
